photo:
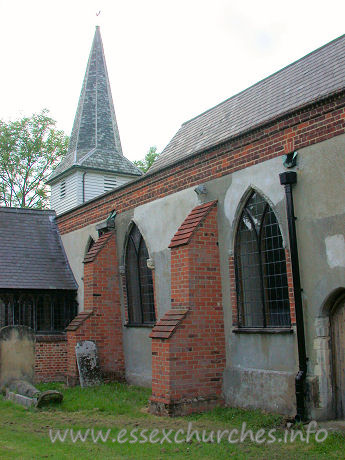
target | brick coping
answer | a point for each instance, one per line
(191, 224)
(97, 247)
(168, 324)
(78, 320)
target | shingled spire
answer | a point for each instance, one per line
(95, 122)
(95, 140)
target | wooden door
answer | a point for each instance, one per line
(338, 355)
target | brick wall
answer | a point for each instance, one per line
(101, 321)
(51, 358)
(188, 358)
(305, 127)
(177, 375)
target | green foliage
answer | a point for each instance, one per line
(148, 161)
(30, 148)
(111, 398)
(256, 419)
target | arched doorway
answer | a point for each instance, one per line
(338, 355)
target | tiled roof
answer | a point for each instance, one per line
(95, 140)
(190, 224)
(168, 324)
(31, 251)
(314, 77)
(97, 247)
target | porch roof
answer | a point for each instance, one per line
(31, 251)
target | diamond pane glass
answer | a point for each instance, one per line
(261, 280)
(139, 280)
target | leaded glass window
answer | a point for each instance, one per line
(44, 311)
(139, 281)
(261, 279)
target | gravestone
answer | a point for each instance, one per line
(17, 354)
(27, 395)
(88, 363)
(17, 368)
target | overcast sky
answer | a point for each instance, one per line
(168, 61)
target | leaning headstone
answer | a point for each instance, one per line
(17, 354)
(88, 363)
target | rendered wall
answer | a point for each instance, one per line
(262, 366)
(320, 210)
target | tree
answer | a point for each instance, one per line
(30, 148)
(148, 161)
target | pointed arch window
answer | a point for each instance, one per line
(139, 281)
(260, 264)
(89, 244)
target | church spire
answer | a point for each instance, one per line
(95, 140)
(95, 124)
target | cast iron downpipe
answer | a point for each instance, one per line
(288, 179)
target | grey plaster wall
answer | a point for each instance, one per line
(320, 210)
(75, 244)
(260, 389)
(260, 367)
(157, 222)
(136, 341)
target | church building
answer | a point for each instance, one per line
(218, 277)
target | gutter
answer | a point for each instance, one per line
(288, 179)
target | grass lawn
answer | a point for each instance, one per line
(24, 434)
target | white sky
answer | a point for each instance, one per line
(167, 60)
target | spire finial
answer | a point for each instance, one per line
(97, 14)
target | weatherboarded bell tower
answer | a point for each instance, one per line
(94, 163)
